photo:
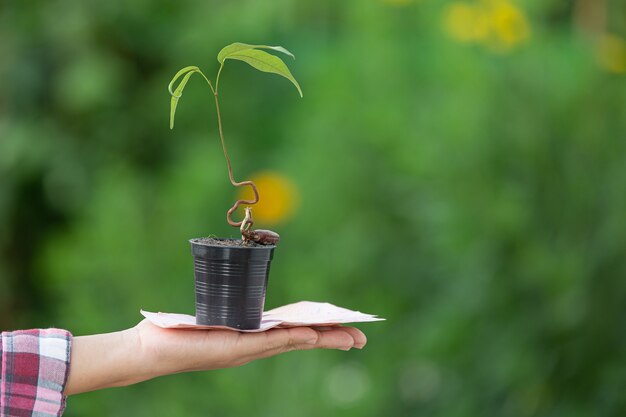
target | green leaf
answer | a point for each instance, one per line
(186, 73)
(264, 62)
(238, 46)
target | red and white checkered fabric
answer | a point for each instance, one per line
(33, 372)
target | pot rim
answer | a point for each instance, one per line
(195, 241)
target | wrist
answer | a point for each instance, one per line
(153, 358)
(137, 364)
(106, 360)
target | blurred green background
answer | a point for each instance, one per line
(456, 167)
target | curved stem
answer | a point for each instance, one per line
(214, 90)
(230, 168)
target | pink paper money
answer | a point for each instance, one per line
(304, 313)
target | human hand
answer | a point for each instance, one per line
(147, 351)
(176, 350)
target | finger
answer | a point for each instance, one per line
(335, 338)
(328, 339)
(324, 328)
(360, 340)
(276, 339)
(285, 338)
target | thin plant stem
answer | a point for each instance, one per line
(217, 79)
(230, 168)
(247, 222)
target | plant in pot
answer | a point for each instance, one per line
(230, 274)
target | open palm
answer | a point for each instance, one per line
(179, 350)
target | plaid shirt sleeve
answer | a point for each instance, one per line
(33, 372)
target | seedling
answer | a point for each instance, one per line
(262, 61)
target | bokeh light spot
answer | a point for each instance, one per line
(419, 382)
(465, 23)
(509, 24)
(278, 197)
(348, 383)
(497, 24)
(611, 54)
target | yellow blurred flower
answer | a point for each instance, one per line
(465, 22)
(611, 53)
(278, 198)
(497, 24)
(508, 23)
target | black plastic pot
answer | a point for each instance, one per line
(231, 282)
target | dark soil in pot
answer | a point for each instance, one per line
(212, 241)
